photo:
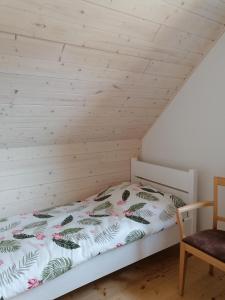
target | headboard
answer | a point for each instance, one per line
(178, 182)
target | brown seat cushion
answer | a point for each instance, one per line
(211, 242)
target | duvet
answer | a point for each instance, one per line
(41, 246)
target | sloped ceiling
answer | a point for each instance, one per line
(96, 70)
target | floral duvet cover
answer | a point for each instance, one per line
(41, 246)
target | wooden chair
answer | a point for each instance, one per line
(208, 245)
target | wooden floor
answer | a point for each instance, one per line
(155, 278)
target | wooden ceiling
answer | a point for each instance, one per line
(96, 70)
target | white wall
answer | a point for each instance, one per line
(191, 131)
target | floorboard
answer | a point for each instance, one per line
(155, 278)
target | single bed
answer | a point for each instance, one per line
(182, 184)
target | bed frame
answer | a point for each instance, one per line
(180, 183)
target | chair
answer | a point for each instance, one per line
(208, 245)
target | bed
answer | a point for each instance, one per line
(132, 231)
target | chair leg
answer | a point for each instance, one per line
(211, 270)
(182, 268)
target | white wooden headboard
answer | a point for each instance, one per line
(179, 182)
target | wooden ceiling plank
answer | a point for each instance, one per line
(171, 13)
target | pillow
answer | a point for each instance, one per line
(177, 201)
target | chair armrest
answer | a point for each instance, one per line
(187, 208)
(194, 205)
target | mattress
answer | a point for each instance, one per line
(41, 246)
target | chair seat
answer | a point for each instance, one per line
(211, 242)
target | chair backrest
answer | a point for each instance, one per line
(218, 181)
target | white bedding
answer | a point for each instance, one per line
(38, 247)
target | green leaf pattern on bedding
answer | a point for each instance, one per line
(144, 213)
(35, 224)
(134, 236)
(67, 220)
(138, 219)
(9, 246)
(147, 196)
(9, 226)
(80, 237)
(21, 236)
(69, 231)
(42, 216)
(99, 215)
(136, 207)
(178, 202)
(89, 221)
(16, 271)
(34, 251)
(3, 220)
(103, 193)
(102, 206)
(125, 195)
(67, 244)
(56, 267)
(102, 198)
(108, 234)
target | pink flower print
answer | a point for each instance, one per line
(120, 202)
(40, 236)
(58, 226)
(114, 214)
(2, 238)
(57, 236)
(119, 245)
(1, 262)
(33, 283)
(128, 213)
